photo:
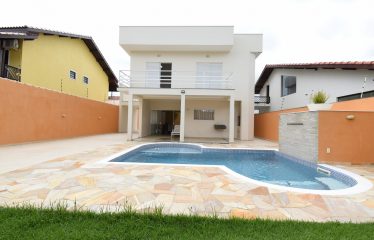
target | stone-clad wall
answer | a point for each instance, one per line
(298, 135)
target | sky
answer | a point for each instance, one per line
(294, 30)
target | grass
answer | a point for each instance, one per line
(27, 222)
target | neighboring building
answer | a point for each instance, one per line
(201, 78)
(59, 61)
(287, 86)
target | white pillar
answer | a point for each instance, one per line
(244, 121)
(231, 120)
(183, 114)
(140, 117)
(129, 117)
(122, 119)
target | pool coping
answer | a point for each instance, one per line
(362, 185)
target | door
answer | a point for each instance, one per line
(166, 70)
(268, 94)
(1, 61)
(152, 75)
(4, 59)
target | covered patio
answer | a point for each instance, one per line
(202, 113)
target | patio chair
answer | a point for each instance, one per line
(175, 132)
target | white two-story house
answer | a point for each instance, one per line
(288, 86)
(199, 78)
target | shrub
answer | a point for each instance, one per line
(319, 97)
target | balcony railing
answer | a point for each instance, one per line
(262, 99)
(175, 79)
(13, 73)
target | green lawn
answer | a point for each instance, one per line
(33, 223)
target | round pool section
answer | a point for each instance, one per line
(266, 166)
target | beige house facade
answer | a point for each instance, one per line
(198, 79)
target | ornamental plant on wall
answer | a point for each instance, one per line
(319, 100)
(319, 97)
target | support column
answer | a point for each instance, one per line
(232, 119)
(129, 117)
(183, 114)
(244, 121)
(140, 117)
(122, 123)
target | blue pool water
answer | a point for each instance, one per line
(263, 165)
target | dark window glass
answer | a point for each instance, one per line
(355, 96)
(85, 80)
(73, 75)
(288, 85)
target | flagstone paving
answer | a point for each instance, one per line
(77, 181)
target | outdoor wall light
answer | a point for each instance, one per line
(350, 117)
(183, 92)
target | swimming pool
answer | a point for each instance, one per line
(266, 166)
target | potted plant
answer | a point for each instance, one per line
(319, 100)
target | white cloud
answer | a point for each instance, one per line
(294, 30)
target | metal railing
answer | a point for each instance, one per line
(262, 99)
(175, 79)
(13, 73)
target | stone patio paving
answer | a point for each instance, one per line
(177, 189)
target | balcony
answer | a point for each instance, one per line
(12, 73)
(164, 79)
(261, 100)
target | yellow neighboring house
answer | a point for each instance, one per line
(59, 61)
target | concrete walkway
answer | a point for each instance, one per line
(17, 156)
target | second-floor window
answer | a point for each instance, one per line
(73, 75)
(158, 75)
(209, 75)
(288, 85)
(85, 79)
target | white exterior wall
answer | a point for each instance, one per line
(240, 61)
(335, 82)
(205, 128)
(184, 47)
